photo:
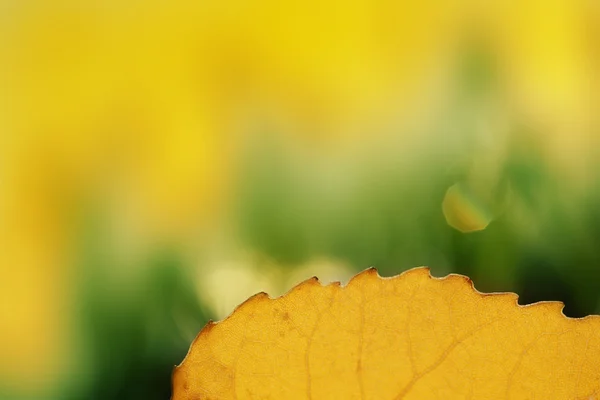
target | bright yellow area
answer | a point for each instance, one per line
(407, 337)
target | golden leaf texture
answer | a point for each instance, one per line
(411, 336)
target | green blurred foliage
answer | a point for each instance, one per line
(135, 329)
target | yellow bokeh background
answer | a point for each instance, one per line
(152, 116)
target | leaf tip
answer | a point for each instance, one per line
(312, 281)
(422, 271)
(368, 273)
(260, 296)
(461, 279)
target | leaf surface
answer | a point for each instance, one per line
(407, 337)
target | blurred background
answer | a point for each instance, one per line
(160, 162)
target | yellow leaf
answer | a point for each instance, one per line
(407, 337)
